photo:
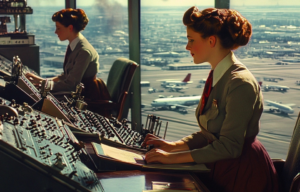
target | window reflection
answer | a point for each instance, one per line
(273, 57)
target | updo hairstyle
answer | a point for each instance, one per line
(229, 25)
(75, 17)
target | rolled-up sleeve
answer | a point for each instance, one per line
(61, 77)
(195, 140)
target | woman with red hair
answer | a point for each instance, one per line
(229, 110)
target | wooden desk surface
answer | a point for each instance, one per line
(137, 181)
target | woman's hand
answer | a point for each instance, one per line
(158, 143)
(160, 156)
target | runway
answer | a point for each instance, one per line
(276, 129)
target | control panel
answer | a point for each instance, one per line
(111, 129)
(47, 140)
(72, 111)
(6, 67)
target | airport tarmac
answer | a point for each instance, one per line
(276, 129)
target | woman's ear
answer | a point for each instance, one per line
(70, 27)
(212, 41)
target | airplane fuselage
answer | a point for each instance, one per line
(164, 102)
(176, 83)
(276, 88)
(280, 107)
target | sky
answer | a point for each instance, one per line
(35, 3)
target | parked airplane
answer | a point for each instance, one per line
(186, 80)
(278, 107)
(176, 88)
(273, 79)
(175, 103)
(153, 90)
(280, 88)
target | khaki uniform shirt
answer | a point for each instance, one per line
(231, 114)
(82, 63)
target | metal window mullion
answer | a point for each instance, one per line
(70, 4)
(223, 4)
(134, 9)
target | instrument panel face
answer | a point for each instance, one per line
(48, 140)
(5, 66)
(91, 122)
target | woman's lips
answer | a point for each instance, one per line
(192, 54)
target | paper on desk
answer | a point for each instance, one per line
(131, 157)
(121, 155)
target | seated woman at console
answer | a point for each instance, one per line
(81, 59)
(228, 112)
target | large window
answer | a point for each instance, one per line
(273, 56)
(40, 25)
(107, 30)
(165, 63)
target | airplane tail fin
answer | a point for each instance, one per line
(187, 78)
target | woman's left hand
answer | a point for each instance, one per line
(158, 156)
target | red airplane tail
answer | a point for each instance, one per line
(187, 78)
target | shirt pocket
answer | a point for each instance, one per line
(210, 114)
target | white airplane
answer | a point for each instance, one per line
(186, 80)
(176, 88)
(175, 103)
(280, 88)
(278, 107)
(273, 79)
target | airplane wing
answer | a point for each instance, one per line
(290, 104)
(178, 106)
(181, 106)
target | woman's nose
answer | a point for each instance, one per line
(187, 47)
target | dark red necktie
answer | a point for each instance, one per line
(68, 52)
(207, 90)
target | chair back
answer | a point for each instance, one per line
(118, 83)
(292, 164)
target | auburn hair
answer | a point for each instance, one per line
(69, 16)
(229, 25)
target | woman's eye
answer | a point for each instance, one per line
(191, 40)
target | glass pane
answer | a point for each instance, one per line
(273, 57)
(107, 30)
(164, 58)
(40, 24)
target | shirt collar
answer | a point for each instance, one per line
(223, 66)
(75, 41)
